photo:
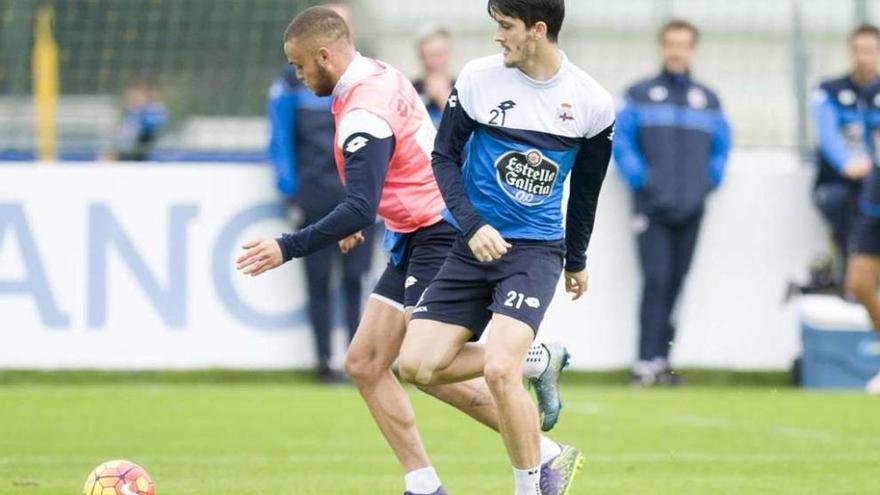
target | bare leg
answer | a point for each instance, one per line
(435, 353)
(861, 280)
(471, 397)
(506, 348)
(368, 362)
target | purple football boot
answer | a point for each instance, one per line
(557, 474)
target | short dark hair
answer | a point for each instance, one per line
(676, 25)
(531, 12)
(315, 22)
(865, 30)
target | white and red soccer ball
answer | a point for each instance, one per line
(119, 478)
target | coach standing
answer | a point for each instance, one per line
(841, 112)
(301, 150)
(671, 146)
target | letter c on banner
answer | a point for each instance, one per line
(222, 268)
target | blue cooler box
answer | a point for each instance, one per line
(839, 348)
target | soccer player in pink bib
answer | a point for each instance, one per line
(384, 140)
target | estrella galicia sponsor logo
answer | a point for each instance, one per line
(527, 177)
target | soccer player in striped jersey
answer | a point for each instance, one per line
(515, 126)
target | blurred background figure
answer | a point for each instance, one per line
(145, 118)
(301, 150)
(436, 81)
(671, 145)
(841, 109)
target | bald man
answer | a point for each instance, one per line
(301, 151)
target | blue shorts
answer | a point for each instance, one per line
(423, 255)
(466, 292)
(865, 237)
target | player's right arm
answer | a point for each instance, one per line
(367, 144)
(281, 110)
(455, 129)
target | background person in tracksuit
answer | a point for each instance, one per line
(840, 108)
(435, 82)
(301, 150)
(671, 145)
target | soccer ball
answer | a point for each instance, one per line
(118, 478)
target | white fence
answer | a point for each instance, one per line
(109, 266)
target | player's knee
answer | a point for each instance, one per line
(500, 373)
(361, 366)
(408, 368)
(416, 371)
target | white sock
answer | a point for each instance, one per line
(424, 480)
(549, 450)
(660, 364)
(528, 481)
(644, 368)
(537, 361)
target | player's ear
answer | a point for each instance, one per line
(324, 56)
(540, 30)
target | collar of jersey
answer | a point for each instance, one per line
(359, 69)
(563, 67)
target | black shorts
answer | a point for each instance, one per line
(865, 237)
(425, 252)
(466, 292)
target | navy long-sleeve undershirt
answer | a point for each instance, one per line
(587, 177)
(447, 159)
(366, 164)
(588, 174)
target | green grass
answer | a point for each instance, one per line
(286, 437)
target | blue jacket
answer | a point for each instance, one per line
(842, 111)
(671, 145)
(301, 146)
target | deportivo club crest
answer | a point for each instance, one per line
(697, 98)
(526, 177)
(565, 113)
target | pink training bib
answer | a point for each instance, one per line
(410, 197)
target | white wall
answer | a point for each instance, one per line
(759, 231)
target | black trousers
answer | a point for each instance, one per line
(666, 250)
(839, 204)
(320, 267)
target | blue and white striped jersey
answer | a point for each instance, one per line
(515, 140)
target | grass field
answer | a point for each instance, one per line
(294, 438)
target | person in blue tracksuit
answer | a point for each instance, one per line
(841, 108)
(301, 150)
(146, 116)
(671, 146)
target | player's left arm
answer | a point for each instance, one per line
(587, 176)
(367, 155)
(721, 144)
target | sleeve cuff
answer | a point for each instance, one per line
(477, 225)
(285, 252)
(575, 264)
